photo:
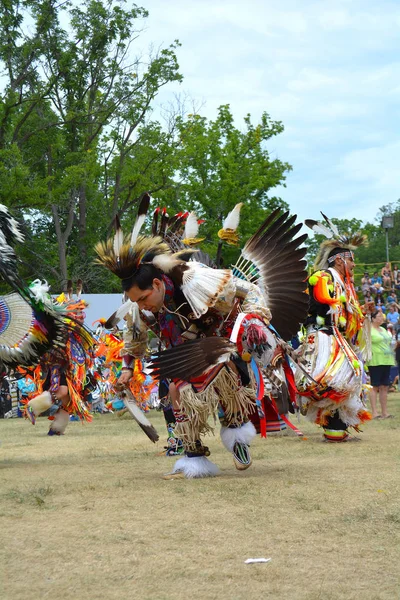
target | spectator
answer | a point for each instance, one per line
(366, 283)
(376, 278)
(379, 365)
(386, 276)
(391, 297)
(379, 304)
(376, 281)
(397, 354)
(368, 297)
(395, 275)
(393, 315)
(5, 398)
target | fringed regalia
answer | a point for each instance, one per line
(69, 365)
(215, 324)
(333, 348)
(39, 334)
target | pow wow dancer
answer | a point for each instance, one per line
(336, 340)
(216, 324)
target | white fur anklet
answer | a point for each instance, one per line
(195, 467)
(241, 435)
(60, 422)
(40, 403)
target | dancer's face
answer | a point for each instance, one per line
(350, 264)
(151, 299)
(344, 266)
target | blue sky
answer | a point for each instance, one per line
(329, 70)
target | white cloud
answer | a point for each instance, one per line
(330, 72)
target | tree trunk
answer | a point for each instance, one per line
(82, 221)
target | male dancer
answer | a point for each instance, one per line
(333, 344)
(216, 326)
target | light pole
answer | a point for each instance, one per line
(387, 223)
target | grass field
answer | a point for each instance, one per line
(87, 516)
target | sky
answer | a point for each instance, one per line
(329, 70)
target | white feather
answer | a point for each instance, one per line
(123, 310)
(191, 226)
(136, 229)
(60, 421)
(165, 262)
(241, 435)
(118, 241)
(135, 313)
(332, 225)
(40, 291)
(232, 220)
(202, 286)
(322, 230)
(195, 467)
(14, 226)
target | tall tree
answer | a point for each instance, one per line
(220, 165)
(68, 87)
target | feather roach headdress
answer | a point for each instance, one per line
(335, 243)
(124, 256)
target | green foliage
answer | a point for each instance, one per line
(78, 145)
(218, 166)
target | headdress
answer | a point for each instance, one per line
(336, 244)
(124, 256)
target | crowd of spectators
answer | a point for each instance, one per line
(383, 288)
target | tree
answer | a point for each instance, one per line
(219, 166)
(78, 144)
(70, 90)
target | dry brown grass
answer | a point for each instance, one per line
(87, 516)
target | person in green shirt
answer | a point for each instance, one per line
(379, 365)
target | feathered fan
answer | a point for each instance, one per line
(191, 359)
(272, 258)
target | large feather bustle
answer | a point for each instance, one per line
(191, 359)
(273, 258)
(202, 286)
(48, 325)
(127, 262)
